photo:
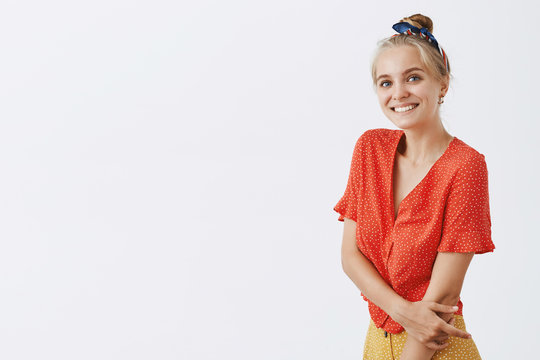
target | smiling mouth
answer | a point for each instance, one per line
(404, 109)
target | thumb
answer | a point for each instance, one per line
(443, 308)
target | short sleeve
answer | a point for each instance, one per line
(467, 221)
(348, 204)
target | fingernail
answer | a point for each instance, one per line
(455, 307)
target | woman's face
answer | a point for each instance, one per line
(407, 92)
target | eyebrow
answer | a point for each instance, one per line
(405, 72)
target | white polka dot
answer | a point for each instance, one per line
(448, 211)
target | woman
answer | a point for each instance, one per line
(415, 209)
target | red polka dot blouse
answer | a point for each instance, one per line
(448, 211)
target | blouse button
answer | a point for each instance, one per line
(386, 334)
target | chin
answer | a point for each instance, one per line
(404, 124)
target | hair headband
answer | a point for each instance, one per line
(408, 29)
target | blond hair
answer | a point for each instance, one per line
(430, 56)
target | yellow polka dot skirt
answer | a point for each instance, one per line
(381, 345)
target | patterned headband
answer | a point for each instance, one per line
(408, 29)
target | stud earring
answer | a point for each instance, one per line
(441, 100)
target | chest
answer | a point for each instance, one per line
(406, 177)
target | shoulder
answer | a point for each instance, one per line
(467, 164)
(381, 134)
(377, 137)
(466, 157)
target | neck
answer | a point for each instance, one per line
(421, 146)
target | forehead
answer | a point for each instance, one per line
(395, 61)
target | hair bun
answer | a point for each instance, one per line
(419, 21)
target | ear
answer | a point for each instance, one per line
(445, 83)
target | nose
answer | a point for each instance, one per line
(400, 91)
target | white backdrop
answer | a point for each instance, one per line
(169, 170)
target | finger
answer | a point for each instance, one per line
(453, 331)
(451, 321)
(442, 337)
(445, 316)
(434, 346)
(443, 308)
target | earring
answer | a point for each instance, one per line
(441, 100)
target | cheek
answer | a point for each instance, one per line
(429, 96)
(383, 98)
(432, 98)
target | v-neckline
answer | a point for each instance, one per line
(393, 212)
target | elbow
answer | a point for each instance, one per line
(450, 299)
(446, 298)
(345, 262)
(446, 295)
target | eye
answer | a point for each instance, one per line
(414, 77)
(383, 83)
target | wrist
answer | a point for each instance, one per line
(399, 310)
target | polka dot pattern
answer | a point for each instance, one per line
(447, 211)
(381, 346)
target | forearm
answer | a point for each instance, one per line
(444, 288)
(447, 296)
(368, 280)
(414, 349)
(418, 318)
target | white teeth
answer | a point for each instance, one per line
(403, 109)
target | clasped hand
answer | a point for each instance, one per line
(430, 323)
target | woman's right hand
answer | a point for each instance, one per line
(422, 320)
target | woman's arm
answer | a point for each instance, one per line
(419, 319)
(364, 274)
(444, 287)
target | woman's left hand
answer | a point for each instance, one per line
(422, 320)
